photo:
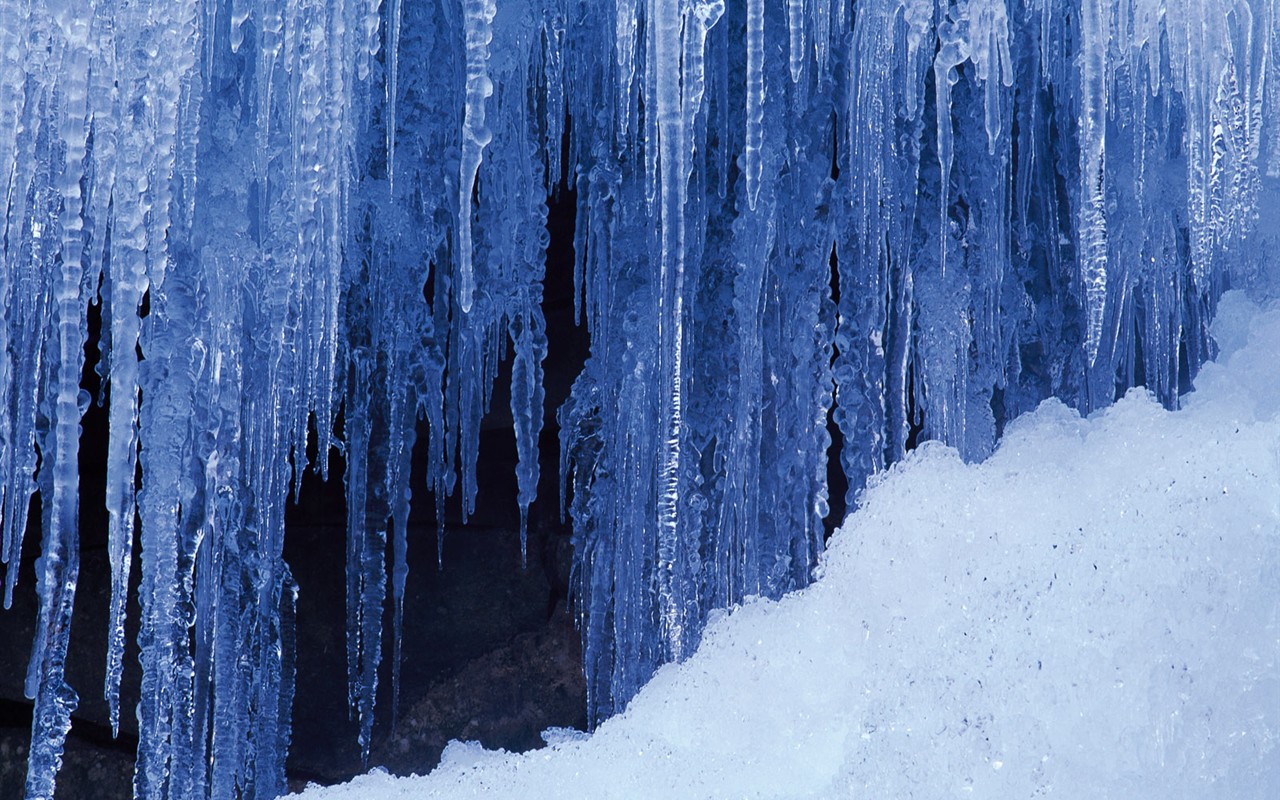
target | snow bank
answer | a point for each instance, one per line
(1092, 612)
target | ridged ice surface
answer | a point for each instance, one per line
(1093, 611)
(915, 218)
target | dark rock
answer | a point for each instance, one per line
(503, 699)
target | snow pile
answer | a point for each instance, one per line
(1093, 611)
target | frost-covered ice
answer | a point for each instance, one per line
(1094, 611)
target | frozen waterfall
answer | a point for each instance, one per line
(915, 218)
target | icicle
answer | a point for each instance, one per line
(475, 134)
(702, 17)
(58, 567)
(953, 49)
(671, 579)
(795, 29)
(553, 77)
(820, 13)
(393, 90)
(370, 22)
(240, 13)
(28, 316)
(402, 436)
(624, 38)
(753, 165)
(1092, 218)
(104, 111)
(528, 331)
(12, 78)
(128, 283)
(989, 37)
(13, 75)
(366, 571)
(340, 130)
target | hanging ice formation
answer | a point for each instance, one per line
(290, 207)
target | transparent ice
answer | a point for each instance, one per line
(919, 218)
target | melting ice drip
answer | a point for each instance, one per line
(1019, 200)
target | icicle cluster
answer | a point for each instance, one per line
(287, 208)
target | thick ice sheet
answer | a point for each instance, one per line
(1092, 611)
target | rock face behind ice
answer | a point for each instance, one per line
(1094, 611)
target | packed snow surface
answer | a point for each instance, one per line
(1093, 611)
